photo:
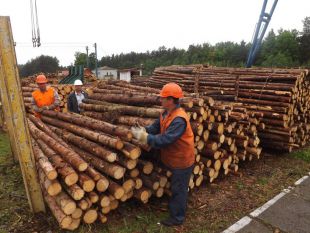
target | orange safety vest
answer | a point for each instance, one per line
(181, 153)
(44, 99)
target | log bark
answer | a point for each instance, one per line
(123, 109)
(64, 169)
(87, 145)
(63, 220)
(91, 123)
(69, 155)
(109, 169)
(43, 162)
(86, 133)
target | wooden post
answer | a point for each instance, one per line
(14, 112)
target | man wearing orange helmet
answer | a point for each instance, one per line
(172, 134)
(45, 98)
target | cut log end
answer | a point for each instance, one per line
(52, 175)
(54, 189)
(90, 216)
(65, 222)
(82, 167)
(102, 185)
(71, 179)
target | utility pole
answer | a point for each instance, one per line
(15, 116)
(87, 58)
(96, 63)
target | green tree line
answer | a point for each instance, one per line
(284, 48)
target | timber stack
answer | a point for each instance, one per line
(89, 164)
(278, 98)
(223, 136)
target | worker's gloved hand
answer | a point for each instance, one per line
(140, 134)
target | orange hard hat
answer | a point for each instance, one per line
(171, 89)
(41, 79)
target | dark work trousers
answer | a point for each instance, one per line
(179, 188)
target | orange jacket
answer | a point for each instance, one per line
(181, 153)
(42, 99)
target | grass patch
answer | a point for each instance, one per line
(262, 181)
(5, 148)
(303, 154)
(12, 195)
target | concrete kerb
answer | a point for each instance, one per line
(248, 219)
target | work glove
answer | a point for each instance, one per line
(140, 134)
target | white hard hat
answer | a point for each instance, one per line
(78, 82)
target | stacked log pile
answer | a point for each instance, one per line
(222, 136)
(84, 173)
(88, 164)
(278, 98)
(54, 78)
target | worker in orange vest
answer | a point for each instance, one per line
(45, 98)
(173, 135)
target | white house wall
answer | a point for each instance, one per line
(125, 76)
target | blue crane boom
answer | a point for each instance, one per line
(260, 30)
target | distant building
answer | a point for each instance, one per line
(126, 74)
(63, 73)
(106, 72)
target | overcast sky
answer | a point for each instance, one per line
(139, 25)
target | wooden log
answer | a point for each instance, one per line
(127, 163)
(102, 218)
(149, 182)
(123, 109)
(131, 151)
(116, 190)
(86, 182)
(64, 169)
(106, 210)
(87, 145)
(104, 201)
(75, 191)
(69, 155)
(145, 166)
(74, 224)
(102, 184)
(66, 204)
(133, 121)
(42, 126)
(77, 214)
(90, 216)
(91, 123)
(63, 220)
(142, 194)
(127, 99)
(52, 187)
(114, 203)
(85, 203)
(110, 169)
(86, 133)
(44, 163)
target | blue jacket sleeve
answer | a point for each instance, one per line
(154, 128)
(173, 133)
